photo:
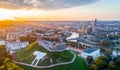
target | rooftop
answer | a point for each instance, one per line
(90, 50)
(39, 55)
(52, 47)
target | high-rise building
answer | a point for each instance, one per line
(94, 24)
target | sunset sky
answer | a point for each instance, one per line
(59, 9)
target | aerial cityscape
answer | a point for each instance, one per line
(59, 35)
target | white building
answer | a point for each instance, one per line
(115, 53)
(39, 56)
(13, 46)
(95, 52)
(2, 42)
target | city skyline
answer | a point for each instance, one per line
(59, 10)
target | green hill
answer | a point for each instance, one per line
(25, 55)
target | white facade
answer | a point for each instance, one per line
(12, 47)
(95, 54)
(39, 55)
(2, 42)
(115, 53)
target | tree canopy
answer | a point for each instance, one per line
(6, 60)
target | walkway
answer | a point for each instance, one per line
(50, 66)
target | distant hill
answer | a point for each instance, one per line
(6, 23)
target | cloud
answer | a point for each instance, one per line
(43, 4)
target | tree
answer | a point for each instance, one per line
(3, 54)
(105, 43)
(89, 59)
(101, 62)
(111, 66)
(6, 60)
(28, 38)
(107, 52)
(102, 50)
(93, 67)
(2, 67)
(117, 62)
(104, 58)
(9, 65)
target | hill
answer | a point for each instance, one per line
(25, 55)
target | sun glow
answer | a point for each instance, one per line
(6, 18)
(19, 14)
(6, 14)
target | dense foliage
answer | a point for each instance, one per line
(6, 60)
(28, 38)
(3, 54)
(104, 63)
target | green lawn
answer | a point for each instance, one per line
(78, 64)
(25, 55)
(64, 56)
(118, 68)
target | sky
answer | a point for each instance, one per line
(48, 10)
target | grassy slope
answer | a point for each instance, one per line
(79, 64)
(118, 68)
(27, 52)
(24, 54)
